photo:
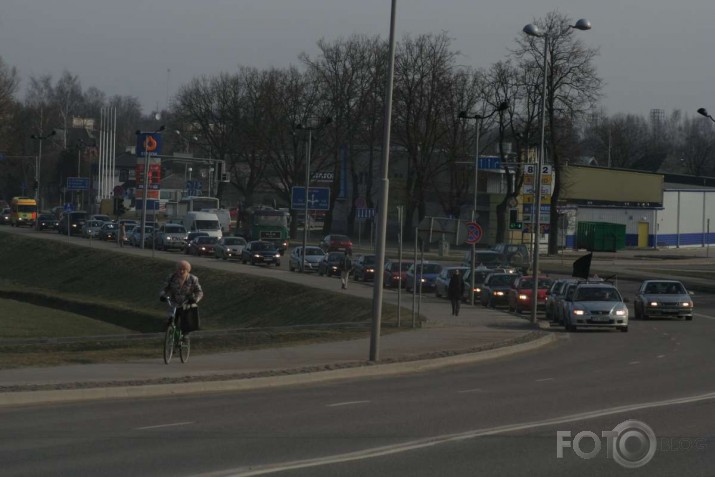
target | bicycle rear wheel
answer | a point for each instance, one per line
(184, 348)
(169, 343)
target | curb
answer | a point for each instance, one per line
(183, 389)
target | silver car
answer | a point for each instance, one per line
(596, 305)
(663, 299)
(313, 257)
(171, 236)
(229, 247)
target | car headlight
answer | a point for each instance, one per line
(370, 270)
(499, 293)
(256, 255)
(621, 312)
(653, 303)
(523, 297)
(686, 304)
(277, 255)
(579, 312)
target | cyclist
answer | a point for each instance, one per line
(182, 288)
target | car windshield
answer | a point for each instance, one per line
(501, 279)
(175, 229)
(597, 294)
(529, 283)
(395, 266)
(429, 268)
(369, 260)
(234, 241)
(487, 258)
(665, 288)
(262, 246)
(206, 240)
(313, 251)
(109, 226)
(339, 238)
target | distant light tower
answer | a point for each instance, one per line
(40, 138)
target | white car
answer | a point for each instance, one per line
(596, 305)
(229, 247)
(313, 257)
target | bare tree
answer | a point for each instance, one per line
(696, 151)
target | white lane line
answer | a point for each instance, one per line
(475, 390)
(700, 315)
(175, 424)
(448, 438)
(544, 379)
(660, 356)
(348, 403)
(635, 362)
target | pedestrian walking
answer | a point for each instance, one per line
(122, 235)
(455, 291)
(346, 266)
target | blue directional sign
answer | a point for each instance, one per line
(318, 198)
(78, 183)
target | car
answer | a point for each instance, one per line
(663, 299)
(202, 245)
(553, 295)
(484, 258)
(395, 273)
(561, 305)
(521, 296)
(128, 229)
(72, 221)
(108, 231)
(596, 305)
(426, 273)
(441, 283)
(364, 267)
(513, 254)
(480, 273)
(260, 251)
(330, 264)
(495, 289)
(5, 216)
(311, 259)
(229, 247)
(47, 222)
(191, 236)
(127, 223)
(170, 237)
(91, 228)
(336, 243)
(135, 238)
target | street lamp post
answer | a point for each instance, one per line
(313, 125)
(704, 112)
(40, 138)
(533, 30)
(146, 185)
(478, 118)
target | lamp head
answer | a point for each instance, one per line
(582, 24)
(532, 30)
(703, 112)
(503, 106)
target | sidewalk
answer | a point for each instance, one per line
(443, 340)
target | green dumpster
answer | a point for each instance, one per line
(601, 236)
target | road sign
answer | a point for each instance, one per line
(78, 183)
(365, 213)
(474, 232)
(318, 198)
(516, 225)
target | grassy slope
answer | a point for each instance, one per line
(122, 290)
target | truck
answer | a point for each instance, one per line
(203, 222)
(23, 211)
(264, 223)
(176, 211)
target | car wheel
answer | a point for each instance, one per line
(290, 267)
(688, 318)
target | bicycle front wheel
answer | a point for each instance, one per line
(169, 343)
(184, 348)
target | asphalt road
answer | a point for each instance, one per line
(498, 417)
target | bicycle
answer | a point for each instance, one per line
(174, 338)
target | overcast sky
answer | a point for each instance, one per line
(653, 53)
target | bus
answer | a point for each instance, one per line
(264, 223)
(23, 211)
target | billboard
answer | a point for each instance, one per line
(601, 186)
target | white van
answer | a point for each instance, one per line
(223, 217)
(203, 222)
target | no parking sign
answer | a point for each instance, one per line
(474, 233)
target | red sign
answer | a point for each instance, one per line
(474, 232)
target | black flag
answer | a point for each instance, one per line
(582, 266)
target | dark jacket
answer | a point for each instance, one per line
(456, 286)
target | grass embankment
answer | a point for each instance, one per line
(89, 292)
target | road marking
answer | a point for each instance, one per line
(175, 424)
(635, 362)
(544, 379)
(660, 356)
(475, 390)
(700, 315)
(348, 403)
(449, 438)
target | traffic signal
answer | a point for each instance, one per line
(121, 210)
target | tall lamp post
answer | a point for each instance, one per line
(313, 124)
(40, 138)
(533, 30)
(146, 184)
(478, 118)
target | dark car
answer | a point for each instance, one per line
(202, 245)
(364, 267)
(259, 251)
(336, 243)
(395, 273)
(330, 264)
(72, 221)
(495, 291)
(480, 274)
(5, 216)
(47, 222)
(191, 236)
(108, 231)
(513, 254)
(484, 258)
